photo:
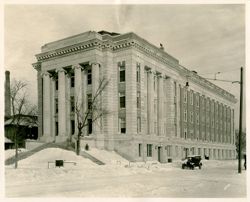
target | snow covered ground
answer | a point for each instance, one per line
(119, 178)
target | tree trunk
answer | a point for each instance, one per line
(16, 151)
(78, 146)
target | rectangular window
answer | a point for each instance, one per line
(89, 76)
(154, 83)
(149, 150)
(122, 73)
(197, 118)
(197, 101)
(138, 71)
(89, 126)
(56, 105)
(72, 80)
(138, 100)
(89, 97)
(191, 117)
(185, 133)
(56, 128)
(72, 126)
(138, 124)
(122, 125)
(185, 115)
(56, 83)
(191, 98)
(175, 88)
(140, 148)
(122, 100)
(72, 103)
(185, 96)
(169, 150)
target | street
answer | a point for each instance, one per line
(212, 181)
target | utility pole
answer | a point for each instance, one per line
(240, 121)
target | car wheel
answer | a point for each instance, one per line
(199, 166)
(183, 166)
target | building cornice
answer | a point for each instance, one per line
(131, 40)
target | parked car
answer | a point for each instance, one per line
(191, 162)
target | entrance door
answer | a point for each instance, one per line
(159, 154)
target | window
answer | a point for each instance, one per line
(122, 71)
(138, 71)
(139, 151)
(56, 105)
(199, 151)
(149, 150)
(56, 128)
(175, 88)
(72, 126)
(185, 133)
(72, 80)
(185, 115)
(122, 125)
(197, 118)
(138, 100)
(185, 96)
(138, 124)
(89, 126)
(169, 150)
(89, 76)
(197, 101)
(155, 127)
(191, 98)
(72, 103)
(191, 117)
(56, 83)
(122, 100)
(154, 82)
(89, 97)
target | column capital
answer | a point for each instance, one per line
(45, 73)
(94, 63)
(77, 66)
(58, 70)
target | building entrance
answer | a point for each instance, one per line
(159, 154)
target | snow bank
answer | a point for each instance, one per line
(41, 159)
(11, 152)
(108, 157)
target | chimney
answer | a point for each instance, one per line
(7, 95)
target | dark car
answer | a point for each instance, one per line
(191, 162)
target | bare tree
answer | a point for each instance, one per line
(20, 106)
(94, 110)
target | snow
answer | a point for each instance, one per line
(11, 152)
(119, 178)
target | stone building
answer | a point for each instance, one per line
(154, 115)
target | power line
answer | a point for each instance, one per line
(231, 70)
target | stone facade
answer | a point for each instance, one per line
(152, 115)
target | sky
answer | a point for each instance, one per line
(204, 38)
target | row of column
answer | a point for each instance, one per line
(80, 94)
(164, 114)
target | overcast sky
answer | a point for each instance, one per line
(204, 38)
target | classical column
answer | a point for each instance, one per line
(95, 86)
(160, 120)
(78, 92)
(150, 96)
(52, 109)
(84, 96)
(61, 104)
(46, 106)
